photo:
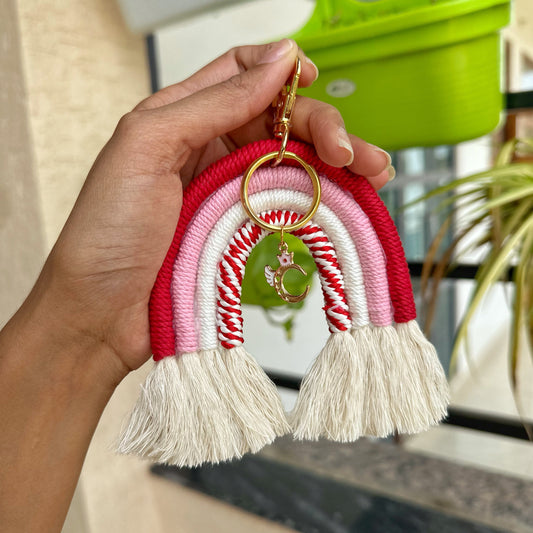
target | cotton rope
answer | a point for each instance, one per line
(229, 224)
(375, 281)
(162, 333)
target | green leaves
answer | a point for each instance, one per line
(495, 214)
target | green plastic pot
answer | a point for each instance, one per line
(409, 72)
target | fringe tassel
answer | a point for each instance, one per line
(424, 360)
(252, 397)
(380, 361)
(217, 405)
(147, 431)
(406, 389)
(203, 407)
(407, 408)
(330, 401)
(372, 382)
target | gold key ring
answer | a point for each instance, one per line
(317, 190)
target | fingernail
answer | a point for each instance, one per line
(344, 142)
(277, 50)
(392, 172)
(388, 159)
(308, 61)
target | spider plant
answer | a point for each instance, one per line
(496, 209)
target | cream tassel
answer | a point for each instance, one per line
(424, 360)
(148, 427)
(380, 361)
(406, 390)
(178, 419)
(408, 407)
(204, 407)
(250, 394)
(330, 402)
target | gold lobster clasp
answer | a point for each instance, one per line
(284, 104)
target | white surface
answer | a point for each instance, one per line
(145, 16)
(186, 46)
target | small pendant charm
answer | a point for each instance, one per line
(275, 277)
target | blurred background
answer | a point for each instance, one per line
(442, 85)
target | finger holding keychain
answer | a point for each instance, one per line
(137, 180)
(315, 122)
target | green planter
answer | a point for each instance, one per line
(409, 72)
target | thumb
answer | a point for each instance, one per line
(221, 108)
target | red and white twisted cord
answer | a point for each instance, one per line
(231, 268)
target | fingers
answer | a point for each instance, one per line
(233, 94)
(232, 63)
(370, 161)
(322, 125)
(163, 137)
(382, 178)
(213, 111)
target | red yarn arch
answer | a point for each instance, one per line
(235, 164)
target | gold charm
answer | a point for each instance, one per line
(282, 125)
(275, 277)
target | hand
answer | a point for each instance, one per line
(85, 323)
(106, 260)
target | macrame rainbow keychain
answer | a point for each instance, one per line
(207, 399)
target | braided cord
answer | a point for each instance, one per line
(358, 229)
(232, 266)
(217, 242)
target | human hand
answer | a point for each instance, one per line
(99, 275)
(85, 323)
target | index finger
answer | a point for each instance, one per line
(233, 62)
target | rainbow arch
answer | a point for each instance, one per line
(377, 373)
